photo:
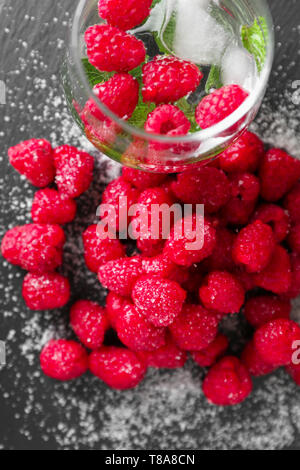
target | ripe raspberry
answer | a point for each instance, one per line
(125, 15)
(276, 217)
(34, 247)
(244, 155)
(294, 238)
(206, 185)
(278, 174)
(276, 277)
(45, 291)
(142, 179)
(254, 363)
(51, 207)
(98, 252)
(34, 159)
(168, 356)
(167, 79)
(219, 104)
(114, 304)
(294, 371)
(88, 321)
(195, 328)
(227, 383)
(74, 170)
(120, 275)
(254, 246)
(182, 245)
(294, 289)
(245, 278)
(160, 300)
(136, 332)
(119, 368)
(274, 341)
(221, 258)
(264, 308)
(208, 356)
(114, 196)
(244, 194)
(292, 204)
(150, 247)
(159, 265)
(64, 360)
(111, 50)
(222, 291)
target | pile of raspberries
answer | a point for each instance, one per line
(165, 301)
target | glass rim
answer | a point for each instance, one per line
(201, 135)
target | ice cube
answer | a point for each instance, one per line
(238, 66)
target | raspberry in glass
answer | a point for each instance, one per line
(98, 251)
(45, 291)
(294, 289)
(74, 170)
(136, 332)
(244, 155)
(34, 247)
(111, 50)
(254, 246)
(261, 309)
(274, 341)
(167, 79)
(278, 174)
(142, 179)
(254, 363)
(294, 238)
(208, 356)
(88, 321)
(120, 275)
(64, 360)
(277, 276)
(219, 104)
(160, 300)
(292, 204)
(276, 217)
(227, 383)
(222, 291)
(51, 207)
(168, 356)
(124, 14)
(195, 328)
(114, 304)
(34, 159)
(119, 368)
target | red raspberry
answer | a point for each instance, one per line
(159, 265)
(34, 247)
(244, 194)
(51, 207)
(245, 278)
(195, 328)
(34, 159)
(219, 104)
(254, 246)
(160, 300)
(276, 217)
(278, 174)
(114, 304)
(64, 360)
(111, 50)
(124, 14)
(167, 79)
(45, 291)
(254, 363)
(206, 185)
(264, 308)
(222, 291)
(276, 277)
(98, 252)
(294, 238)
(292, 203)
(114, 196)
(183, 234)
(150, 247)
(244, 155)
(294, 289)
(142, 179)
(74, 170)
(208, 356)
(168, 356)
(221, 258)
(274, 341)
(136, 332)
(227, 383)
(88, 321)
(294, 371)
(120, 275)
(119, 368)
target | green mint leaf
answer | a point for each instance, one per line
(140, 113)
(154, 3)
(94, 76)
(254, 39)
(189, 110)
(214, 79)
(165, 40)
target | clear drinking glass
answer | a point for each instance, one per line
(233, 38)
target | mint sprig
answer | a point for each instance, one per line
(214, 79)
(254, 39)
